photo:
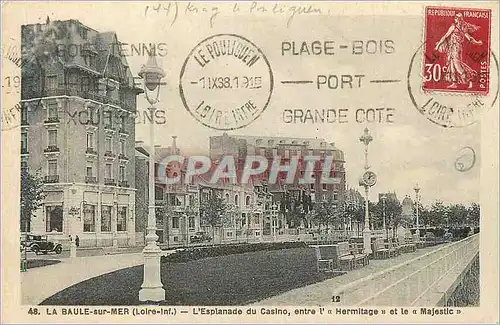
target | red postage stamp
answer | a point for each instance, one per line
(457, 50)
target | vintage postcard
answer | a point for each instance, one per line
(250, 162)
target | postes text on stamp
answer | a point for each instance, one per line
(457, 50)
(226, 82)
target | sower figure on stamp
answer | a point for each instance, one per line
(452, 45)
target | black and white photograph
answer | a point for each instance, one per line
(253, 162)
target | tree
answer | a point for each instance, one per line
(357, 213)
(393, 210)
(377, 214)
(325, 213)
(437, 214)
(457, 214)
(474, 212)
(425, 217)
(164, 213)
(213, 212)
(342, 214)
(230, 215)
(296, 207)
(32, 196)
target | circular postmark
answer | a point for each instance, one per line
(449, 109)
(17, 64)
(466, 159)
(226, 82)
(11, 85)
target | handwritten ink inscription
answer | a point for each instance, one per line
(175, 11)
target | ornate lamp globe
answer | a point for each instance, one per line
(151, 73)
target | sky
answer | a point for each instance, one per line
(408, 151)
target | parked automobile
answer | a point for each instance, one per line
(448, 237)
(40, 244)
(430, 238)
(200, 237)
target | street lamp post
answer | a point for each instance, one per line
(383, 218)
(367, 180)
(152, 287)
(417, 195)
(275, 215)
(115, 228)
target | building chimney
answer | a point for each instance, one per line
(174, 144)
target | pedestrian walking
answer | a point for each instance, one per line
(77, 241)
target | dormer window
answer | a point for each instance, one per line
(83, 32)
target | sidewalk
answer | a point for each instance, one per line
(96, 251)
(321, 293)
(37, 284)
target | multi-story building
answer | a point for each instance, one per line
(177, 205)
(77, 94)
(285, 147)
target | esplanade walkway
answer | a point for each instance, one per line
(426, 277)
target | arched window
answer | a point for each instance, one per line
(247, 200)
(227, 197)
(236, 199)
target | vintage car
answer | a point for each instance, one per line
(40, 244)
(200, 237)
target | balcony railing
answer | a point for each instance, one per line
(91, 151)
(24, 122)
(87, 94)
(24, 151)
(123, 131)
(109, 154)
(51, 149)
(108, 127)
(109, 181)
(122, 157)
(53, 119)
(91, 179)
(123, 183)
(51, 179)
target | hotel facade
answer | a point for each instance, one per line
(77, 135)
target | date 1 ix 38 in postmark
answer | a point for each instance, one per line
(457, 50)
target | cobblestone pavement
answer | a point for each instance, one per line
(321, 293)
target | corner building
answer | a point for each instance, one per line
(78, 96)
